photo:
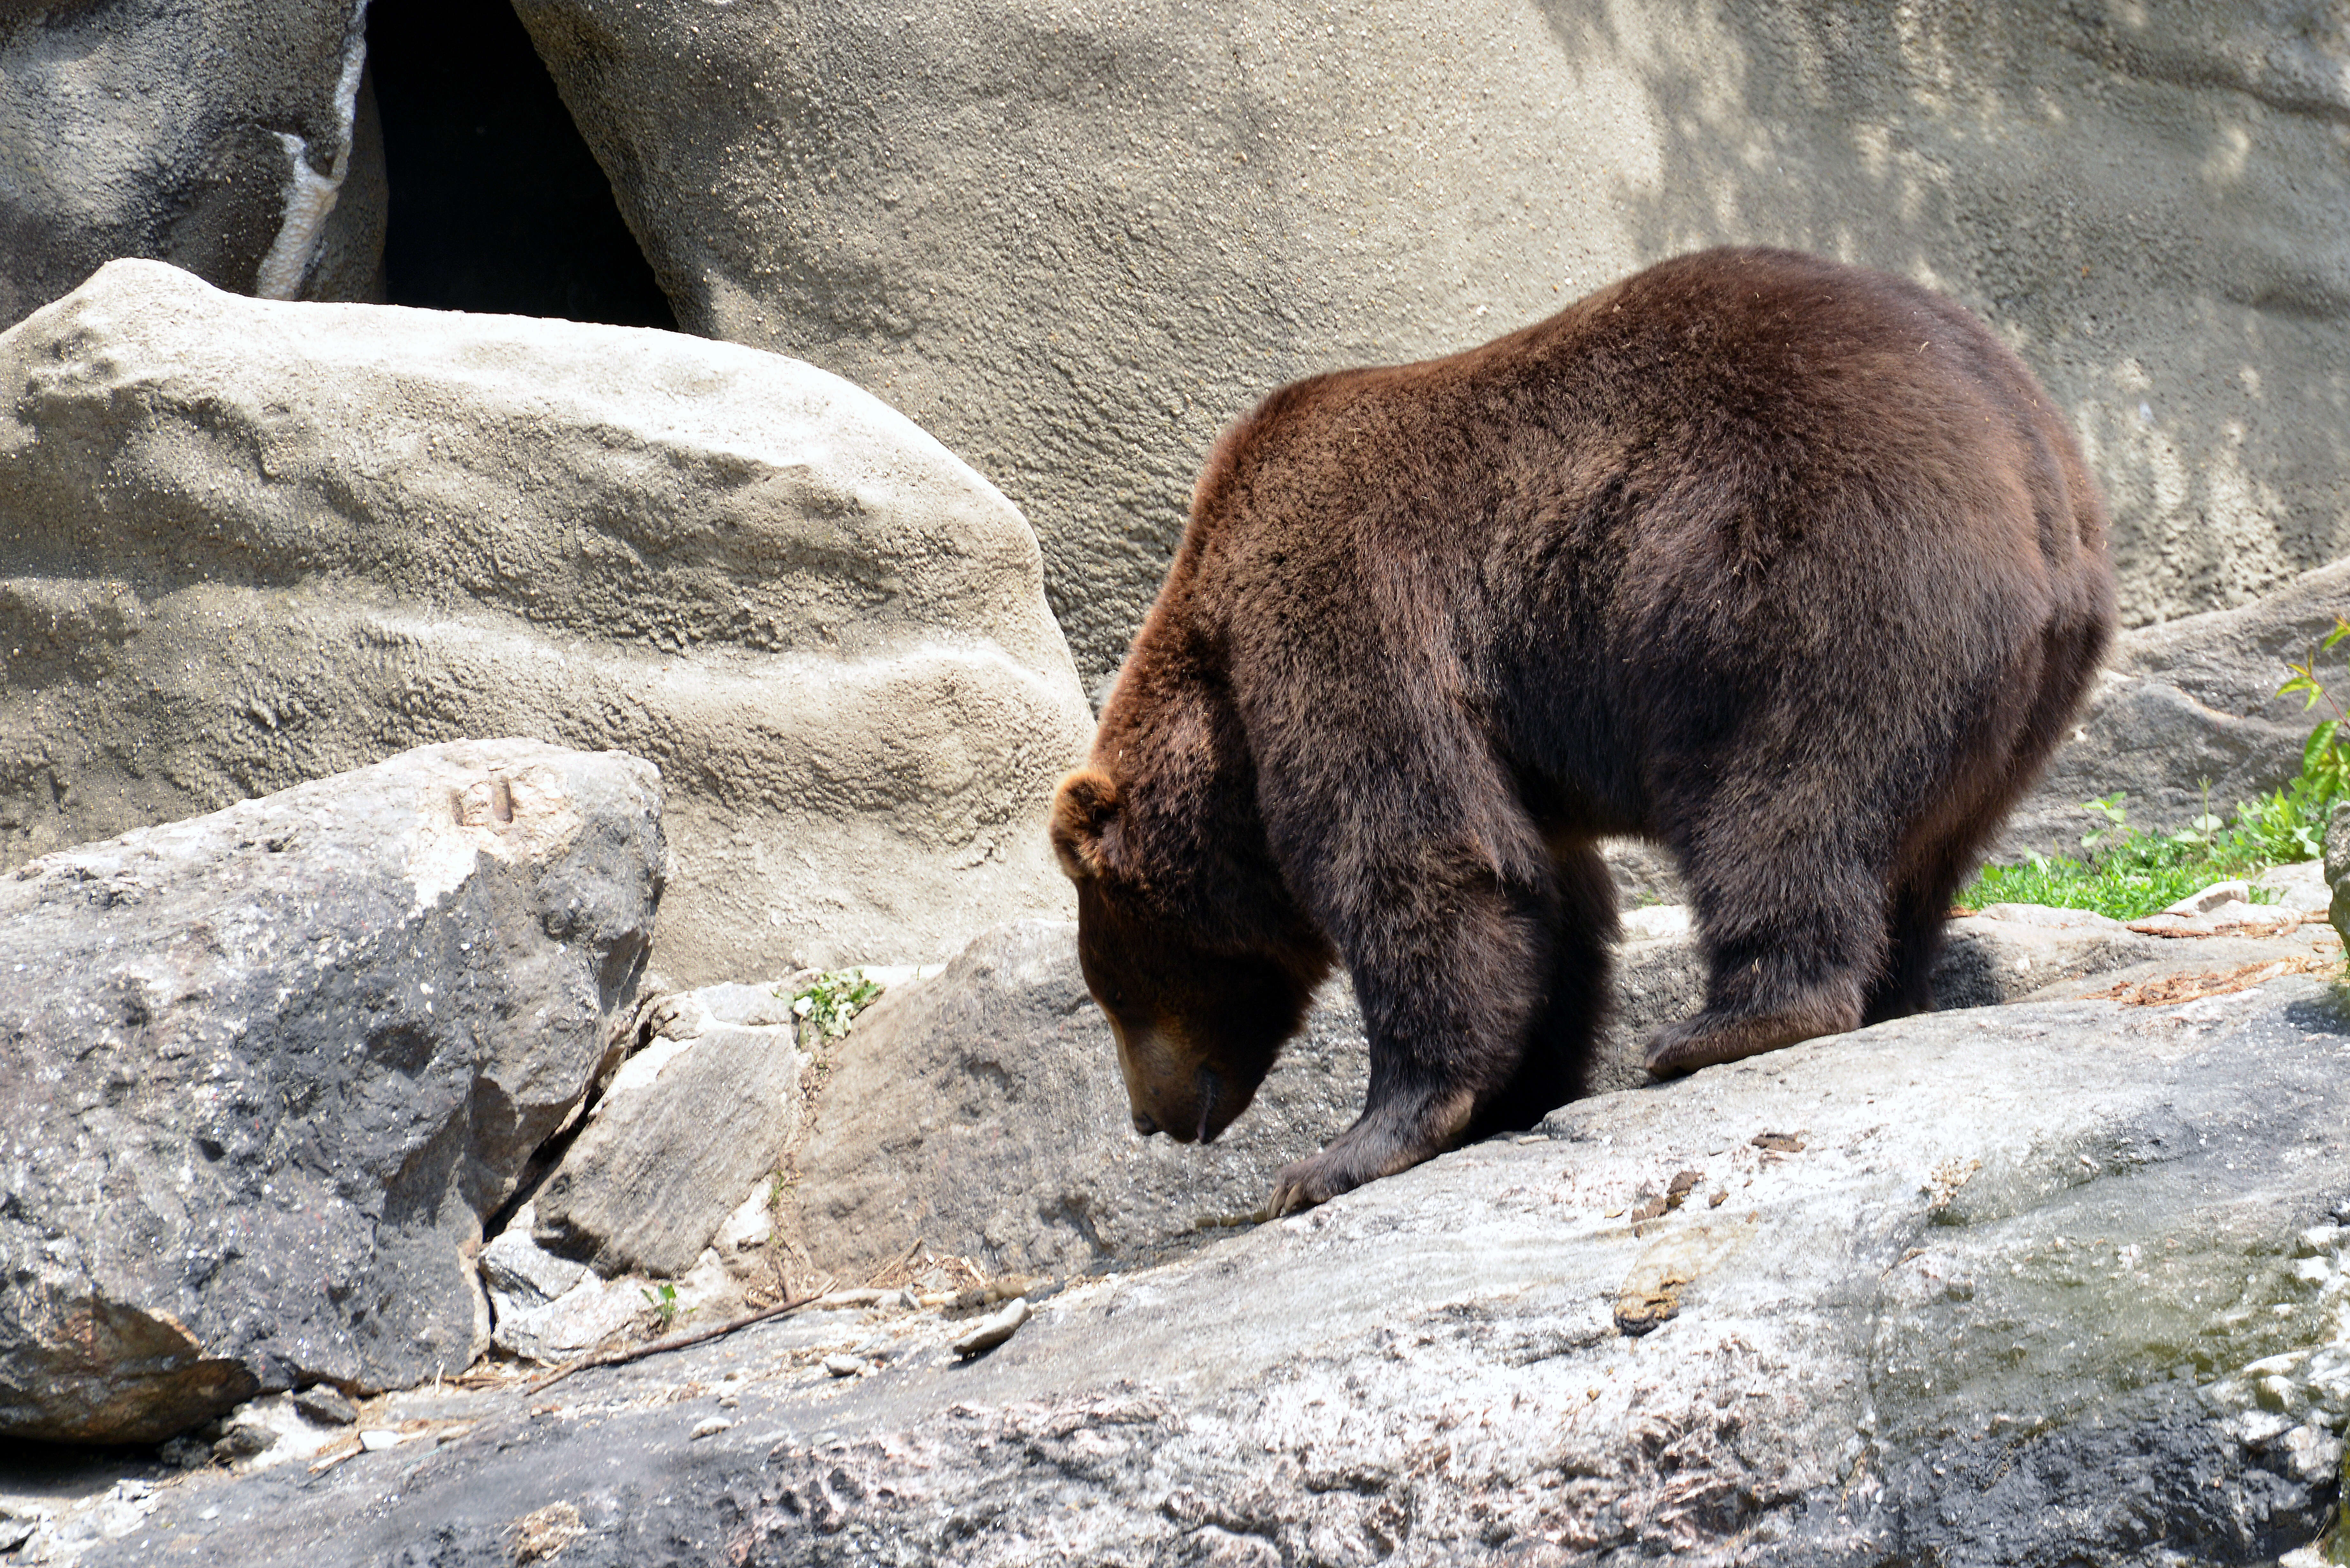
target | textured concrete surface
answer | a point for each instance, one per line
(2190, 703)
(268, 1070)
(235, 138)
(1074, 240)
(244, 544)
(2048, 1283)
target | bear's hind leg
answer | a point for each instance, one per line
(1919, 908)
(1563, 1043)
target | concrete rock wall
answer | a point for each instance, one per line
(235, 138)
(1074, 240)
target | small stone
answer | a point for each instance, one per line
(2312, 1454)
(991, 1330)
(2317, 1242)
(840, 1366)
(2279, 1394)
(185, 1454)
(2256, 1429)
(2212, 899)
(375, 1439)
(859, 1298)
(710, 1426)
(326, 1404)
(241, 1440)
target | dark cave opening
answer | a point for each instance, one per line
(495, 203)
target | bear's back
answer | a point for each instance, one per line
(1732, 403)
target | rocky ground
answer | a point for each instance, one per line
(2057, 1282)
(345, 1125)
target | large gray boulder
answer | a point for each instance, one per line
(1075, 244)
(2187, 704)
(244, 544)
(235, 138)
(2058, 1283)
(268, 1070)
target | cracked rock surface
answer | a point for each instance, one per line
(265, 1070)
(2059, 1282)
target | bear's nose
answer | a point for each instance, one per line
(1143, 1124)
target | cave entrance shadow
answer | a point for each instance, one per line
(495, 203)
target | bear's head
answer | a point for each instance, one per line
(1200, 995)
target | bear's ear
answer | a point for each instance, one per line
(1082, 809)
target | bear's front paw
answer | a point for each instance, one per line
(1711, 1038)
(1360, 1153)
(1303, 1183)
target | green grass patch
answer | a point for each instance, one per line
(2127, 888)
(2130, 873)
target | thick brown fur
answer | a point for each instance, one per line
(1789, 567)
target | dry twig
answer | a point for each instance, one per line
(702, 1336)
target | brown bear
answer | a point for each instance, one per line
(1789, 567)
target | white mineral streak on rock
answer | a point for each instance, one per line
(310, 196)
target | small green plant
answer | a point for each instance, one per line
(2325, 755)
(830, 1001)
(2129, 872)
(664, 1305)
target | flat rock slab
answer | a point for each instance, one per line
(2052, 1282)
(981, 1112)
(266, 1070)
(689, 1125)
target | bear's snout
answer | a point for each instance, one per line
(1143, 1124)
